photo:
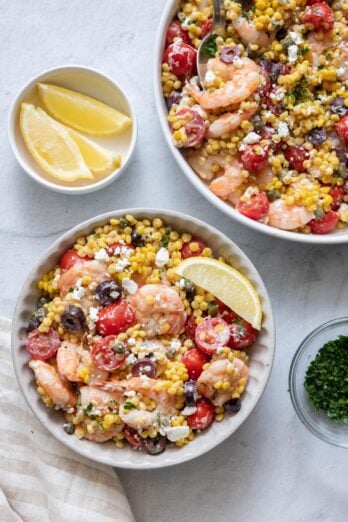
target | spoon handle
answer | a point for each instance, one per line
(219, 25)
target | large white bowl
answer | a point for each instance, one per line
(339, 236)
(261, 354)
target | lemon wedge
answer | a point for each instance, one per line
(82, 112)
(225, 283)
(51, 146)
(98, 159)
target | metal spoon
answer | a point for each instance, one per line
(219, 29)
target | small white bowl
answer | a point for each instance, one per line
(338, 236)
(92, 83)
(261, 352)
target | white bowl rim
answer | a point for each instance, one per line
(326, 239)
(11, 123)
(210, 442)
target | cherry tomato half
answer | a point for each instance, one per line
(296, 156)
(320, 15)
(190, 327)
(211, 334)
(194, 127)
(133, 437)
(104, 356)
(194, 360)
(252, 160)
(71, 258)
(206, 27)
(256, 208)
(204, 415)
(115, 318)
(337, 194)
(190, 249)
(242, 334)
(325, 224)
(176, 31)
(341, 128)
(181, 59)
(43, 346)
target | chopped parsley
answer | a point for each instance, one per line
(326, 380)
(88, 410)
(129, 406)
(210, 48)
(300, 91)
(165, 241)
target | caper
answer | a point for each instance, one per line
(213, 309)
(119, 347)
(69, 428)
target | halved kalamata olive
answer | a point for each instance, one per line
(190, 393)
(137, 239)
(108, 292)
(36, 319)
(229, 53)
(73, 320)
(69, 428)
(317, 136)
(154, 446)
(190, 289)
(338, 107)
(173, 99)
(233, 405)
(144, 366)
(281, 34)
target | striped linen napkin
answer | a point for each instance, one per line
(40, 479)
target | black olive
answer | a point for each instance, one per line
(338, 106)
(190, 289)
(73, 320)
(173, 99)
(190, 393)
(36, 319)
(69, 428)
(317, 136)
(229, 53)
(281, 34)
(233, 405)
(108, 292)
(213, 309)
(144, 367)
(137, 239)
(154, 446)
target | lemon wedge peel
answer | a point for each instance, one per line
(82, 112)
(51, 145)
(225, 283)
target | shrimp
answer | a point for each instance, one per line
(72, 358)
(248, 32)
(264, 177)
(101, 435)
(158, 309)
(318, 47)
(95, 269)
(204, 165)
(219, 370)
(241, 82)
(55, 387)
(228, 122)
(103, 400)
(227, 185)
(287, 217)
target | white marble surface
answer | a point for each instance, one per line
(272, 469)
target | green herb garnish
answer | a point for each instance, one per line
(326, 380)
(88, 410)
(129, 406)
(165, 241)
(210, 47)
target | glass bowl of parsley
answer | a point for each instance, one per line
(318, 382)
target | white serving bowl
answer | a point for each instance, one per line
(261, 353)
(92, 83)
(339, 236)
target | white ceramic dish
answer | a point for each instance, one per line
(339, 236)
(261, 354)
(95, 84)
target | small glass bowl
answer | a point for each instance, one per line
(316, 420)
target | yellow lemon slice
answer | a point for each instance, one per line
(51, 146)
(225, 283)
(96, 157)
(82, 112)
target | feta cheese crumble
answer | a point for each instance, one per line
(295, 37)
(162, 257)
(251, 138)
(209, 77)
(283, 129)
(121, 264)
(101, 255)
(79, 292)
(177, 433)
(293, 53)
(189, 410)
(93, 313)
(129, 285)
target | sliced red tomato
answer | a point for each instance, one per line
(190, 327)
(254, 160)
(206, 27)
(211, 334)
(296, 156)
(115, 318)
(186, 250)
(194, 126)
(320, 16)
(133, 437)
(181, 59)
(194, 360)
(71, 258)
(203, 417)
(256, 207)
(242, 334)
(341, 128)
(324, 225)
(104, 356)
(176, 31)
(337, 194)
(43, 346)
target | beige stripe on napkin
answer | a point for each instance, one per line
(40, 479)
